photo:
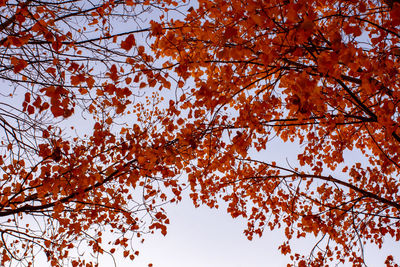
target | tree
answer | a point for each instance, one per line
(320, 74)
(84, 154)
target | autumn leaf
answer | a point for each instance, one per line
(292, 71)
(39, 26)
(307, 24)
(206, 102)
(113, 74)
(156, 28)
(18, 63)
(78, 79)
(128, 43)
(18, 41)
(90, 82)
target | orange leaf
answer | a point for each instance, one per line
(113, 74)
(90, 82)
(128, 43)
(19, 64)
(52, 71)
(78, 79)
(156, 28)
(18, 41)
(129, 2)
(57, 111)
(39, 26)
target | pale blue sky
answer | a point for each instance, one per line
(210, 238)
(203, 237)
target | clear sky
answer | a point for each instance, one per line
(201, 237)
(204, 237)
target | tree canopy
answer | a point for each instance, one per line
(113, 107)
(72, 170)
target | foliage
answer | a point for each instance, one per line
(102, 139)
(321, 74)
(71, 169)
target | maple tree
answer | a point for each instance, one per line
(322, 74)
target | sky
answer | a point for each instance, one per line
(200, 237)
(204, 237)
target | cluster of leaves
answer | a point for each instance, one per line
(322, 74)
(71, 169)
(94, 147)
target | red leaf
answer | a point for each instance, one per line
(156, 28)
(128, 43)
(78, 79)
(129, 2)
(19, 64)
(31, 110)
(113, 74)
(90, 82)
